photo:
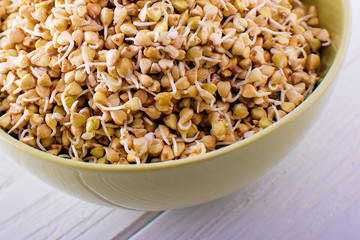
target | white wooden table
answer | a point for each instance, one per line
(314, 193)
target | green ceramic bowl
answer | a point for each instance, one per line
(195, 180)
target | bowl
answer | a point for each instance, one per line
(195, 180)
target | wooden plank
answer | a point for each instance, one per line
(42, 212)
(301, 197)
(346, 226)
(354, 48)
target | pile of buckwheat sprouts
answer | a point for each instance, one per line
(146, 81)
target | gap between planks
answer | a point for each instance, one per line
(137, 225)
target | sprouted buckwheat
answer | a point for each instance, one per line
(146, 81)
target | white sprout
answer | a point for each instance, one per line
(64, 103)
(223, 5)
(186, 139)
(38, 143)
(183, 127)
(23, 133)
(31, 32)
(210, 59)
(30, 99)
(170, 6)
(74, 151)
(9, 82)
(46, 104)
(71, 140)
(16, 91)
(171, 80)
(20, 121)
(248, 134)
(120, 107)
(287, 34)
(278, 25)
(90, 64)
(228, 20)
(276, 112)
(327, 43)
(236, 125)
(73, 106)
(143, 24)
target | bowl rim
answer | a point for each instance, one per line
(328, 79)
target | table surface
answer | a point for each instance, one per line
(312, 194)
